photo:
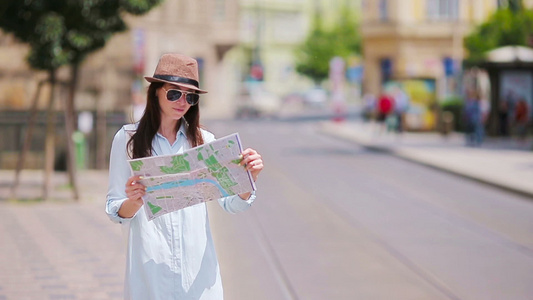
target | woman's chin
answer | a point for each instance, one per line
(178, 114)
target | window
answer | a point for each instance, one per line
(386, 69)
(442, 9)
(383, 10)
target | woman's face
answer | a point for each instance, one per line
(173, 110)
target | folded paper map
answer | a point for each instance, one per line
(204, 173)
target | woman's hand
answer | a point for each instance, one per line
(134, 191)
(252, 162)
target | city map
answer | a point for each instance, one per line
(204, 173)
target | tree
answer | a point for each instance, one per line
(42, 29)
(312, 56)
(64, 32)
(321, 45)
(510, 26)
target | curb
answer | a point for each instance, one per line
(516, 190)
(411, 156)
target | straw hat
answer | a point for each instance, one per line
(177, 69)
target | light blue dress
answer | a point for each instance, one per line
(172, 256)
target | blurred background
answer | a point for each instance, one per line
(260, 59)
(348, 100)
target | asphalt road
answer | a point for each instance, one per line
(335, 221)
(332, 221)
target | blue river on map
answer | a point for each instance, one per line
(180, 183)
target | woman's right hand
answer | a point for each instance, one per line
(134, 191)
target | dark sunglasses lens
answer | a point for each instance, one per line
(192, 99)
(173, 95)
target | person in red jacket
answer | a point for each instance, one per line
(521, 118)
(385, 106)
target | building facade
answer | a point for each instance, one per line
(271, 30)
(419, 41)
(202, 29)
(111, 80)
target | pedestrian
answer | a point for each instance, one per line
(401, 106)
(521, 119)
(503, 117)
(474, 119)
(171, 256)
(369, 105)
(385, 107)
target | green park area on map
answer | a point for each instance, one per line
(179, 165)
(188, 178)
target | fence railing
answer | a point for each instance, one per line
(14, 126)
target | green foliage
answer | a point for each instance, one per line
(345, 34)
(451, 102)
(506, 27)
(49, 54)
(455, 106)
(321, 45)
(138, 7)
(313, 55)
(62, 32)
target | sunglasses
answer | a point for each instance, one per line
(174, 95)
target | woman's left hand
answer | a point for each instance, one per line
(252, 162)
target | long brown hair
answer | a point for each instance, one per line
(141, 141)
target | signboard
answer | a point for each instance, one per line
(422, 97)
(516, 85)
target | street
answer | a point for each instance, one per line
(332, 220)
(335, 221)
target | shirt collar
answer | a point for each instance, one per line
(183, 128)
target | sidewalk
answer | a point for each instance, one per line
(59, 248)
(502, 163)
(92, 186)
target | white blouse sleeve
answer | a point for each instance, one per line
(119, 172)
(232, 204)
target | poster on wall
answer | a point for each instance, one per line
(517, 85)
(421, 94)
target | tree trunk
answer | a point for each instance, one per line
(27, 139)
(49, 145)
(70, 114)
(516, 5)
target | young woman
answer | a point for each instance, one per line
(172, 256)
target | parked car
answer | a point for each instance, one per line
(255, 101)
(316, 96)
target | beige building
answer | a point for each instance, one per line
(263, 30)
(111, 79)
(270, 32)
(414, 38)
(203, 29)
(420, 44)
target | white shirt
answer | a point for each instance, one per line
(172, 256)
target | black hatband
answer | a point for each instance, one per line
(178, 79)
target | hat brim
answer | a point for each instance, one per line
(189, 86)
